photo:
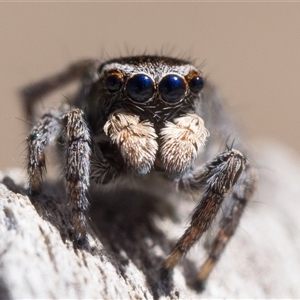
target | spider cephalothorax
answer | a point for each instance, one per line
(137, 115)
(146, 106)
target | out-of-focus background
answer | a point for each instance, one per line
(251, 51)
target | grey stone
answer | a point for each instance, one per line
(131, 233)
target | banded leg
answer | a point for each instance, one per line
(42, 133)
(240, 196)
(77, 170)
(217, 179)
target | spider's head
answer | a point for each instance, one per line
(145, 105)
(157, 88)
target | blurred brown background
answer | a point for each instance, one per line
(251, 51)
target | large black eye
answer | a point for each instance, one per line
(140, 88)
(196, 84)
(114, 83)
(172, 88)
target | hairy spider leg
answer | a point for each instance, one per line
(76, 137)
(239, 198)
(217, 179)
(43, 133)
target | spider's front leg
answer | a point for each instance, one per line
(240, 196)
(77, 142)
(216, 179)
(77, 160)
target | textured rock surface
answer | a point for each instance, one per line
(132, 233)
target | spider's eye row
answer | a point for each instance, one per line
(140, 88)
(196, 84)
(114, 83)
(172, 88)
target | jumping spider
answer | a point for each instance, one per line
(144, 114)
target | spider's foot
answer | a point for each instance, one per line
(80, 240)
(204, 273)
(165, 274)
(199, 285)
(166, 282)
(33, 192)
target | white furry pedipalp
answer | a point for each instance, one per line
(181, 141)
(136, 140)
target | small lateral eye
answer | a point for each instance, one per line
(114, 83)
(172, 88)
(140, 88)
(196, 84)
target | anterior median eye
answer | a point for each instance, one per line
(140, 88)
(114, 83)
(172, 88)
(196, 84)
